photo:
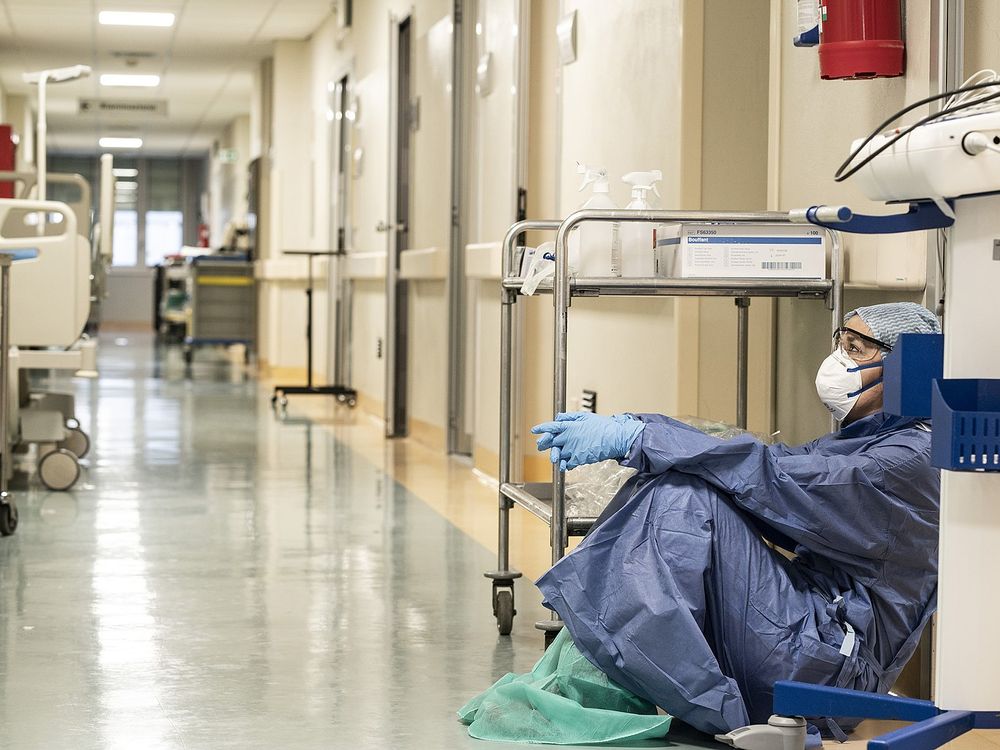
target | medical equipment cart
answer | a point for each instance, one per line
(343, 394)
(546, 500)
(222, 299)
(170, 300)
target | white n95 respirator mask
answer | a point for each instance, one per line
(838, 383)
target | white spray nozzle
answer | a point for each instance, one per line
(597, 175)
(643, 181)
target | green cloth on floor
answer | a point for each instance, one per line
(564, 700)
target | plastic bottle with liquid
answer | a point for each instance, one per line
(594, 247)
(637, 247)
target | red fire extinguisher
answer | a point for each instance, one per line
(203, 235)
(861, 39)
(8, 158)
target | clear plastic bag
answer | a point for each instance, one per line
(721, 430)
(590, 488)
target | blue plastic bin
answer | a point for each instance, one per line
(966, 416)
(914, 363)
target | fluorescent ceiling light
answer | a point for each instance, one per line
(124, 172)
(129, 79)
(115, 142)
(134, 18)
(121, 185)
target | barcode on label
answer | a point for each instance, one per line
(772, 265)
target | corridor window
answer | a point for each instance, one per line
(126, 238)
(164, 235)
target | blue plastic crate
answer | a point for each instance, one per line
(914, 363)
(966, 416)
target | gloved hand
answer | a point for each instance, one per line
(581, 437)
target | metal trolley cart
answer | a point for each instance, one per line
(547, 500)
(222, 303)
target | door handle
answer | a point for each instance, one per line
(383, 227)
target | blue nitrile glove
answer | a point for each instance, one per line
(581, 437)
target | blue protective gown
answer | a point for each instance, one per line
(676, 596)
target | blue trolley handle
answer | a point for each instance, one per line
(920, 215)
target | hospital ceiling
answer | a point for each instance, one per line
(205, 61)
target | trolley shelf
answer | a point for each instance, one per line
(547, 501)
(663, 287)
(536, 498)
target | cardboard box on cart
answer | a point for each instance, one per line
(739, 251)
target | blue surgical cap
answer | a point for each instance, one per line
(889, 320)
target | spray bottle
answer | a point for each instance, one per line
(637, 250)
(595, 245)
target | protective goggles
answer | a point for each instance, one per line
(857, 346)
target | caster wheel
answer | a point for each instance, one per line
(72, 423)
(59, 470)
(274, 402)
(8, 518)
(188, 356)
(550, 635)
(352, 402)
(505, 611)
(76, 442)
(341, 398)
(283, 403)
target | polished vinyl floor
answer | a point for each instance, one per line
(220, 578)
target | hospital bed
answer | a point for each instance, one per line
(49, 307)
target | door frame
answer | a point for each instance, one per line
(340, 230)
(396, 323)
(459, 437)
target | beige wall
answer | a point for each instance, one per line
(710, 92)
(734, 178)
(982, 36)
(292, 219)
(228, 180)
(626, 105)
(815, 122)
(18, 114)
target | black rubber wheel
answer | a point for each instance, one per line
(76, 442)
(8, 518)
(505, 611)
(188, 356)
(550, 635)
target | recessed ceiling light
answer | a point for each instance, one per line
(124, 172)
(123, 185)
(134, 18)
(129, 79)
(115, 142)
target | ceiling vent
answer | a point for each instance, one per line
(124, 107)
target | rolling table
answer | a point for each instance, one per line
(342, 393)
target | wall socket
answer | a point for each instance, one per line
(588, 401)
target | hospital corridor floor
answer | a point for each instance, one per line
(221, 578)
